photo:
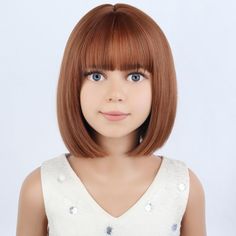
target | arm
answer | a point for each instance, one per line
(193, 222)
(31, 218)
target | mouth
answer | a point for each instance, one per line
(114, 113)
(114, 117)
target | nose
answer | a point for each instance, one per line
(114, 99)
(116, 88)
(115, 93)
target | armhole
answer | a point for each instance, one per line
(43, 196)
(188, 188)
(183, 184)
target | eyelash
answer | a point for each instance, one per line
(86, 73)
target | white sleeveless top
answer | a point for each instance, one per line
(72, 211)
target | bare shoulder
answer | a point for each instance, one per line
(31, 218)
(193, 222)
(31, 186)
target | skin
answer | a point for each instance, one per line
(115, 91)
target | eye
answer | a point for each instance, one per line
(96, 75)
(135, 76)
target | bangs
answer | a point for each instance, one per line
(116, 42)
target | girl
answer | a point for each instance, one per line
(116, 105)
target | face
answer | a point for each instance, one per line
(124, 91)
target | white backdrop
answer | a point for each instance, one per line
(202, 36)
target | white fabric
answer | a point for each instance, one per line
(63, 189)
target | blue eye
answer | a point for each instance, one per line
(96, 75)
(136, 76)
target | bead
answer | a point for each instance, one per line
(140, 139)
(61, 178)
(182, 187)
(148, 207)
(174, 227)
(73, 210)
(109, 230)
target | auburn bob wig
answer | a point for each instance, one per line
(119, 37)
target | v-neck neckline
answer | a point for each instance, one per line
(99, 208)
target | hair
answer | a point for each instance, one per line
(123, 37)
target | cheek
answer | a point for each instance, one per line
(89, 98)
(144, 99)
(85, 98)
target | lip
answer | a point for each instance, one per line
(115, 113)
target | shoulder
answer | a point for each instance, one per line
(193, 222)
(31, 190)
(196, 192)
(196, 187)
(31, 204)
